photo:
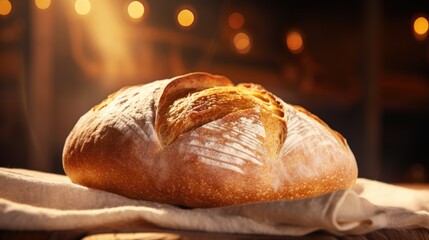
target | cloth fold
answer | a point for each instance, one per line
(31, 200)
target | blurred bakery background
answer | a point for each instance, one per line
(362, 66)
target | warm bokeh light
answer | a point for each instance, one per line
(421, 26)
(294, 42)
(109, 39)
(136, 10)
(185, 18)
(242, 42)
(236, 20)
(82, 7)
(5, 7)
(42, 4)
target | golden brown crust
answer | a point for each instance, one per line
(192, 110)
(198, 141)
(179, 88)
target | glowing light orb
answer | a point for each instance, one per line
(5, 7)
(136, 10)
(242, 42)
(185, 18)
(42, 4)
(294, 42)
(82, 7)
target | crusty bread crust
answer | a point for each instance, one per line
(198, 141)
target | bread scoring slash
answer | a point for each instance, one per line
(199, 141)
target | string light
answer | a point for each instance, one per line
(294, 42)
(5, 7)
(242, 42)
(136, 10)
(185, 18)
(421, 27)
(82, 7)
(236, 20)
(42, 4)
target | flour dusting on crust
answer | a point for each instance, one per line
(229, 142)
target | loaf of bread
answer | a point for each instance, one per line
(199, 141)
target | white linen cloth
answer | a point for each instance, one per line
(31, 200)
